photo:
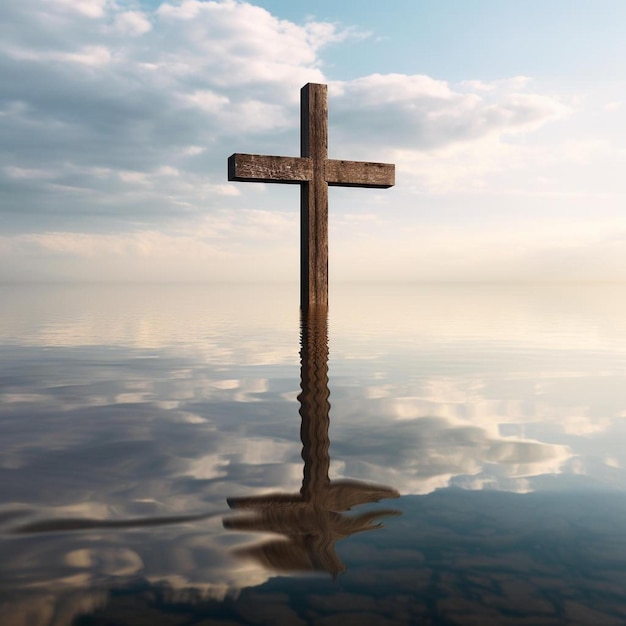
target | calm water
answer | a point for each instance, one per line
(428, 455)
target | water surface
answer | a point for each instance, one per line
(427, 454)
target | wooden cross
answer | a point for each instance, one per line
(313, 171)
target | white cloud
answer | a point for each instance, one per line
(89, 8)
(425, 114)
(227, 245)
(132, 23)
(94, 56)
(263, 245)
(611, 107)
(514, 83)
(20, 172)
(207, 100)
(518, 250)
(132, 177)
(244, 44)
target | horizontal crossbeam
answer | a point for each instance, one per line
(360, 174)
(257, 168)
(337, 173)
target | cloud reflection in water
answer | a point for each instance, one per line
(167, 423)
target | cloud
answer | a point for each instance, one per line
(237, 245)
(89, 8)
(134, 23)
(219, 247)
(130, 91)
(96, 87)
(420, 112)
(116, 124)
(612, 107)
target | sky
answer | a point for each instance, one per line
(506, 122)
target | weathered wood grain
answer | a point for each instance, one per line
(314, 172)
(314, 197)
(257, 168)
(360, 174)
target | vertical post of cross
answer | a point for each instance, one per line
(314, 197)
(314, 172)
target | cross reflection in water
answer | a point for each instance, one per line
(313, 520)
